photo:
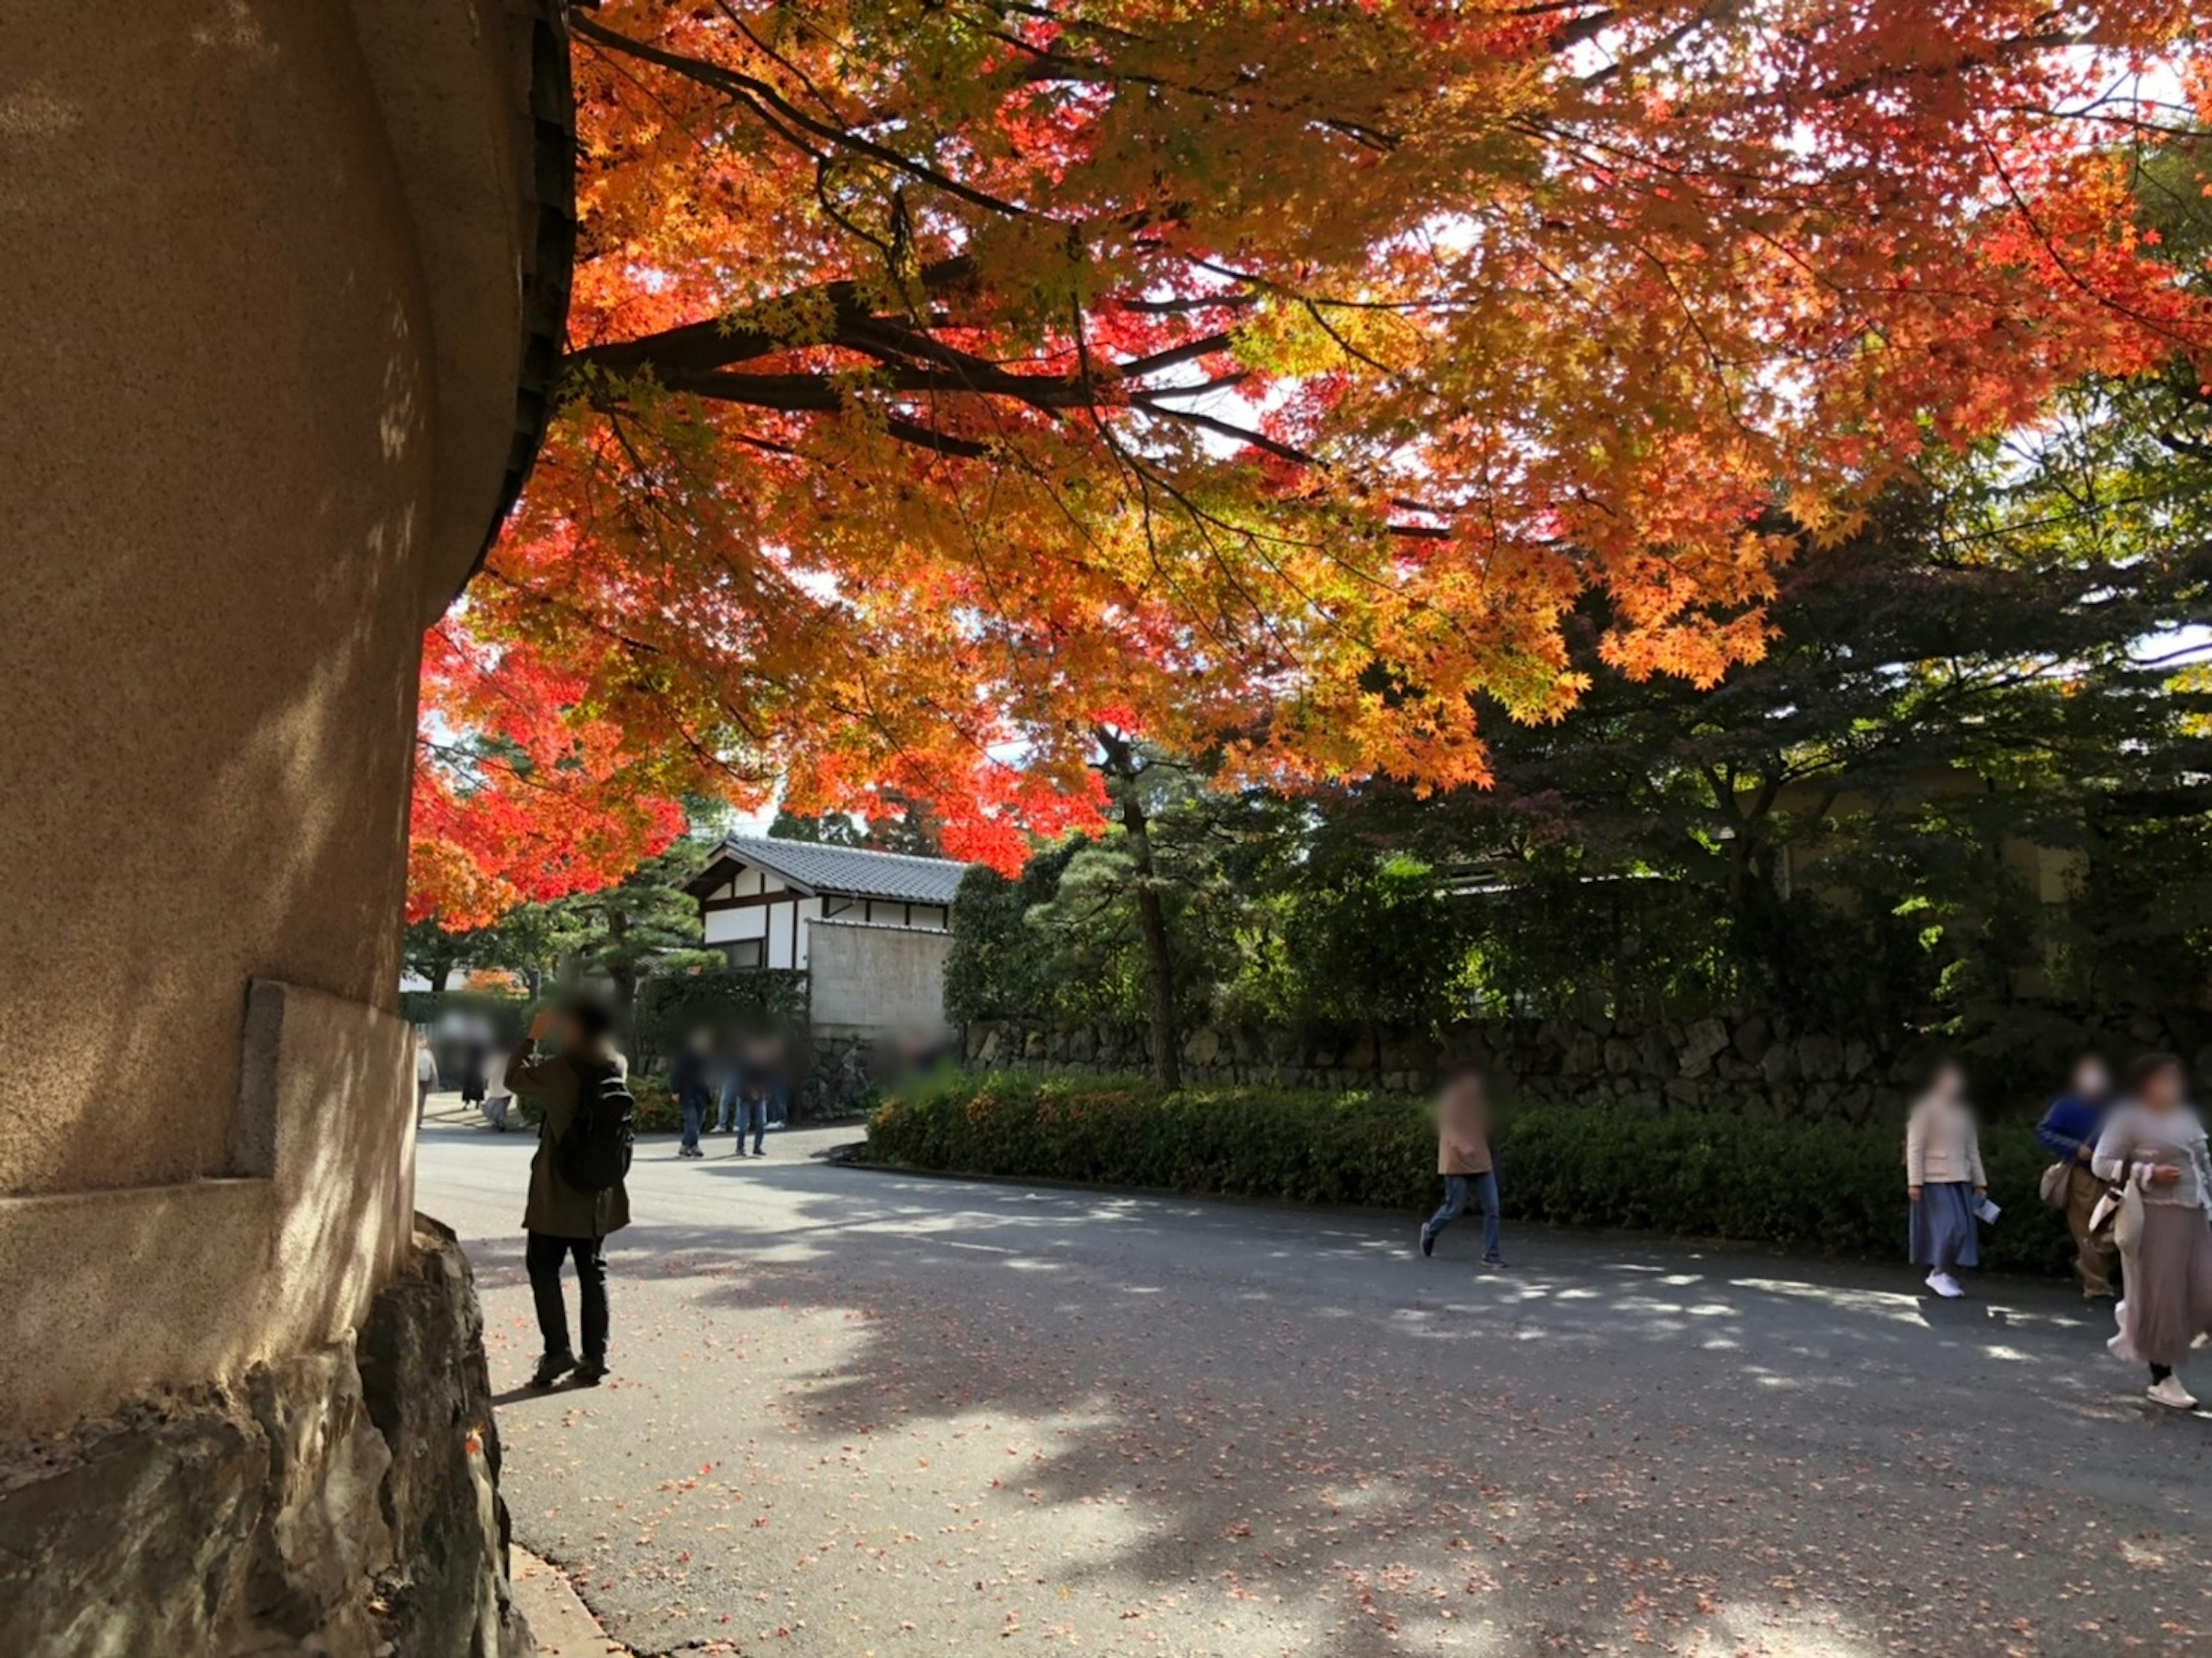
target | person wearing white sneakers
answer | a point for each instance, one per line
(2154, 1143)
(1943, 1178)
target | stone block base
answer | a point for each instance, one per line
(342, 1502)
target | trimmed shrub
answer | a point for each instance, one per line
(507, 1015)
(1826, 1188)
(656, 1106)
(670, 1007)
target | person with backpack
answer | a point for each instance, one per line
(577, 1197)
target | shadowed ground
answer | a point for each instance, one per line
(860, 1414)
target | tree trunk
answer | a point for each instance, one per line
(1167, 1055)
(1151, 914)
(623, 977)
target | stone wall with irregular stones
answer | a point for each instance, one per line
(1751, 1064)
(843, 1069)
(840, 1071)
(342, 1502)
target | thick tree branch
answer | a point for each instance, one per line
(759, 330)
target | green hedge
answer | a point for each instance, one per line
(1827, 1189)
(509, 1015)
(670, 1007)
(656, 1106)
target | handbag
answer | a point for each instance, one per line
(2127, 1224)
(2118, 1216)
(2052, 1188)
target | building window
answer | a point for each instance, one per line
(746, 952)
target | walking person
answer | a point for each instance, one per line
(1464, 1159)
(1943, 1179)
(2069, 1131)
(563, 1223)
(688, 1079)
(2154, 1144)
(498, 1096)
(426, 1077)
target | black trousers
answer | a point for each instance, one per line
(543, 1256)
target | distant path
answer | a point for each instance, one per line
(857, 1413)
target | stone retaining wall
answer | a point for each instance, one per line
(342, 1502)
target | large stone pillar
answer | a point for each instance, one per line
(281, 280)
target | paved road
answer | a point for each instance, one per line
(856, 1414)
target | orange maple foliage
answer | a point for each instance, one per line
(949, 378)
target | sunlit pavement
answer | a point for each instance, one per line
(859, 1413)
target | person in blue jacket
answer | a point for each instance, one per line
(2068, 1132)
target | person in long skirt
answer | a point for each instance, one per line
(2155, 1143)
(1943, 1180)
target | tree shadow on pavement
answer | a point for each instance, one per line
(915, 1416)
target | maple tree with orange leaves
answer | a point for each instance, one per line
(953, 383)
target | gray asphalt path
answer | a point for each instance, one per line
(855, 1413)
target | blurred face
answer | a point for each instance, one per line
(2090, 1080)
(1949, 1083)
(2161, 1089)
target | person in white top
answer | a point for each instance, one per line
(498, 1096)
(426, 1076)
(1943, 1179)
(2154, 1143)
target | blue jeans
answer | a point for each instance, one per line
(729, 1100)
(693, 1108)
(753, 1114)
(1458, 1189)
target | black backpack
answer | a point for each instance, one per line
(593, 1155)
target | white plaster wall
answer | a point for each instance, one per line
(772, 923)
(877, 980)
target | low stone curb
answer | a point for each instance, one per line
(559, 1622)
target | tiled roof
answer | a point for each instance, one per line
(850, 872)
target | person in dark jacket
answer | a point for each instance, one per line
(562, 1223)
(690, 1081)
(2068, 1132)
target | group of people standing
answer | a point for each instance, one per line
(748, 1075)
(479, 1066)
